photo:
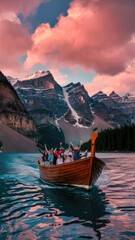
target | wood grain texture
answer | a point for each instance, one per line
(83, 172)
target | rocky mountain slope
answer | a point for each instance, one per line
(79, 112)
(70, 108)
(115, 109)
(44, 100)
(47, 102)
(15, 142)
(12, 110)
(42, 92)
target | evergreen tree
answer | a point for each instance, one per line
(117, 139)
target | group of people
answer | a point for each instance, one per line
(61, 155)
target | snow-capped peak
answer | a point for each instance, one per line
(37, 74)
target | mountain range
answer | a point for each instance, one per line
(69, 111)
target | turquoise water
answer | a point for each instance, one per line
(31, 209)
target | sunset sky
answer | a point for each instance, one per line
(87, 41)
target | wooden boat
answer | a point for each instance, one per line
(80, 173)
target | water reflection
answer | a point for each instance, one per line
(29, 212)
(70, 206)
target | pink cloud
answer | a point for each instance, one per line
(59, 76)
(121, 83)
(96, 35)
(14, 37)
(15, 41)
(25, 7)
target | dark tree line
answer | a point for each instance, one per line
(118, 139)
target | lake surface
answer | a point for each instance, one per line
(31, 209)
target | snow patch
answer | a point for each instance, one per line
(37, 74)
(82, 100)
(74, 113)
(57, 125)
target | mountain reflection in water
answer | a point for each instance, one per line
(31, 209)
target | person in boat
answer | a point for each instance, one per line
(48, 155)
(76, 151)
(51, 156)
(45, 156)
(68, 158)
(85, 154)
(59, 160)
(61, 148)
(55, 153)
(58, 151)
(68, 150)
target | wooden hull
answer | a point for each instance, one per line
(80, 173)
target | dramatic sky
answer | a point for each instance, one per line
(91, 41)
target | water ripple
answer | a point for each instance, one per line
(30, 209)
